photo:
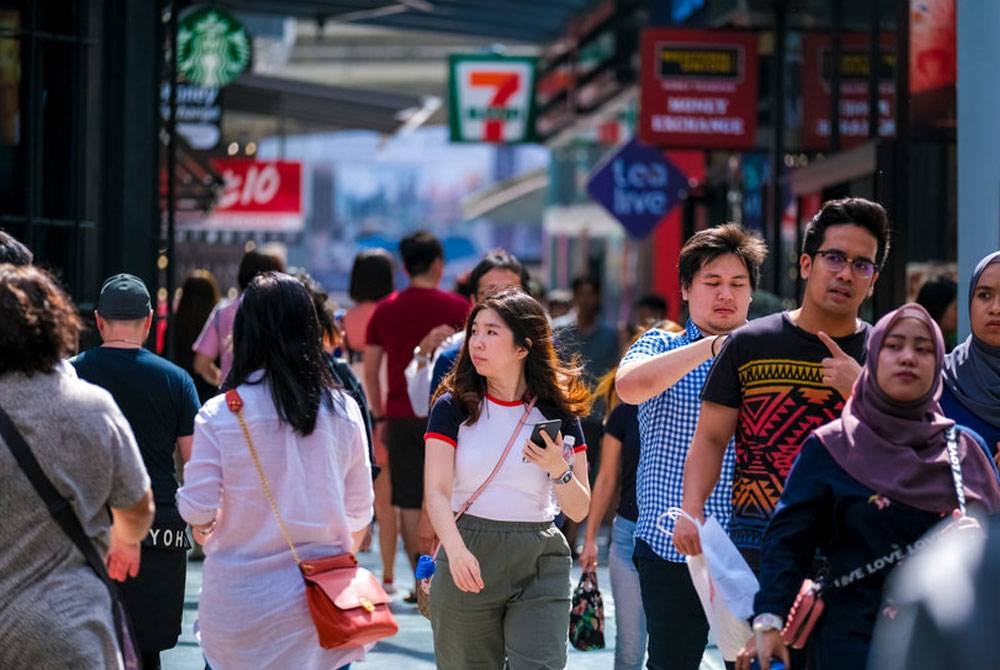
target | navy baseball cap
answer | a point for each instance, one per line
(123, 297)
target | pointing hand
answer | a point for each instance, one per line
(839, 370)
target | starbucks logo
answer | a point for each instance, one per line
(213, 48)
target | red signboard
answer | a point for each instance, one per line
(699, 89)
(933, 66)
(259, 187)
(854, 67)
(258, 195)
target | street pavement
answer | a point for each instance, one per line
(412, 648)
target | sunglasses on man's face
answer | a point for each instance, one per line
(836, 261)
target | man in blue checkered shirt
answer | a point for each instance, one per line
(663, 373)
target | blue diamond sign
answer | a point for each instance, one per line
(639, 186)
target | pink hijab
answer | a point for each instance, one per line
(900, 449)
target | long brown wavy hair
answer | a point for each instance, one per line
(553, 382)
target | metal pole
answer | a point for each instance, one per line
(874, 65)
(836, 36)
(778, 144)
(171, 173)
(893, 281)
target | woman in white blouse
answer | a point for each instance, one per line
(502, 588)
(310, 438)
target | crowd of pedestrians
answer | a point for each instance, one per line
(481, 430)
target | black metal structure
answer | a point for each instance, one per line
(77, 158)
(327, 107)
(507, 20)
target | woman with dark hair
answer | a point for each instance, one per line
(199, 295)
(972, 370)
(502, 586)
(342, 373)
(372, 280)
(938, 296)
(216, 339)
(863, 492)
(56, 611)
(311, 445)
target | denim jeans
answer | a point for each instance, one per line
(678, 630)
(630, 620)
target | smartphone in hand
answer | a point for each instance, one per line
(551, 427)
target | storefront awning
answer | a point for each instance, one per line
(514, 20)
(835, 169)
(328, 107)
(516, 200)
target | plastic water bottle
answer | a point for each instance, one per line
(425, 567)
(776, 664)
(568, 443)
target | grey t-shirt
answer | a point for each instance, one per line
(54, 611)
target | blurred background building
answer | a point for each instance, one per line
(336, 134)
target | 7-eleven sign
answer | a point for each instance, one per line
(492, 98)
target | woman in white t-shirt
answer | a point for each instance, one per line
(502, 588)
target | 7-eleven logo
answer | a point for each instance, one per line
(495, 100)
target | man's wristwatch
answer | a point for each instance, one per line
(564, 478)
(765, 622)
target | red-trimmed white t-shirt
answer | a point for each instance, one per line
(520, 491)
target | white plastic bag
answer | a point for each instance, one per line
(725, 584)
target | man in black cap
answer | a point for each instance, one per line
(160, 402)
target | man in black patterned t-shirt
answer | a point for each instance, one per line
(781, 376)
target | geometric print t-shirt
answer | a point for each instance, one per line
(771, 371)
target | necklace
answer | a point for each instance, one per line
(123, 340)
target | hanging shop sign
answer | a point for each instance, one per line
(492, 98)
(258, 195)
(213, 48)
(817, 65)
(699, 88)
(198, 114)
(933, 69)
(639, 186)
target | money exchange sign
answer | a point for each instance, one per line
(699, 89)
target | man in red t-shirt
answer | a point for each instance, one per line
(397, 326)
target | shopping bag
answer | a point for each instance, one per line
(586, 616)
(730, 632)
(725, 584)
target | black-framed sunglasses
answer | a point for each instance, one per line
(837, 260)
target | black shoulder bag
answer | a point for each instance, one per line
(62, 512)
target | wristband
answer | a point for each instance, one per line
(765, 622)
(565, 478)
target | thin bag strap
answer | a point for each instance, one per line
(956, 468)
(496, 468)
(235, 404)
(956, 476)
(60, 509)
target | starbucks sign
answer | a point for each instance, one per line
(213, 48)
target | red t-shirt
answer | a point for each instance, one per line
(398, 324)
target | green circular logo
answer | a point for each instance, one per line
(213, 48)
